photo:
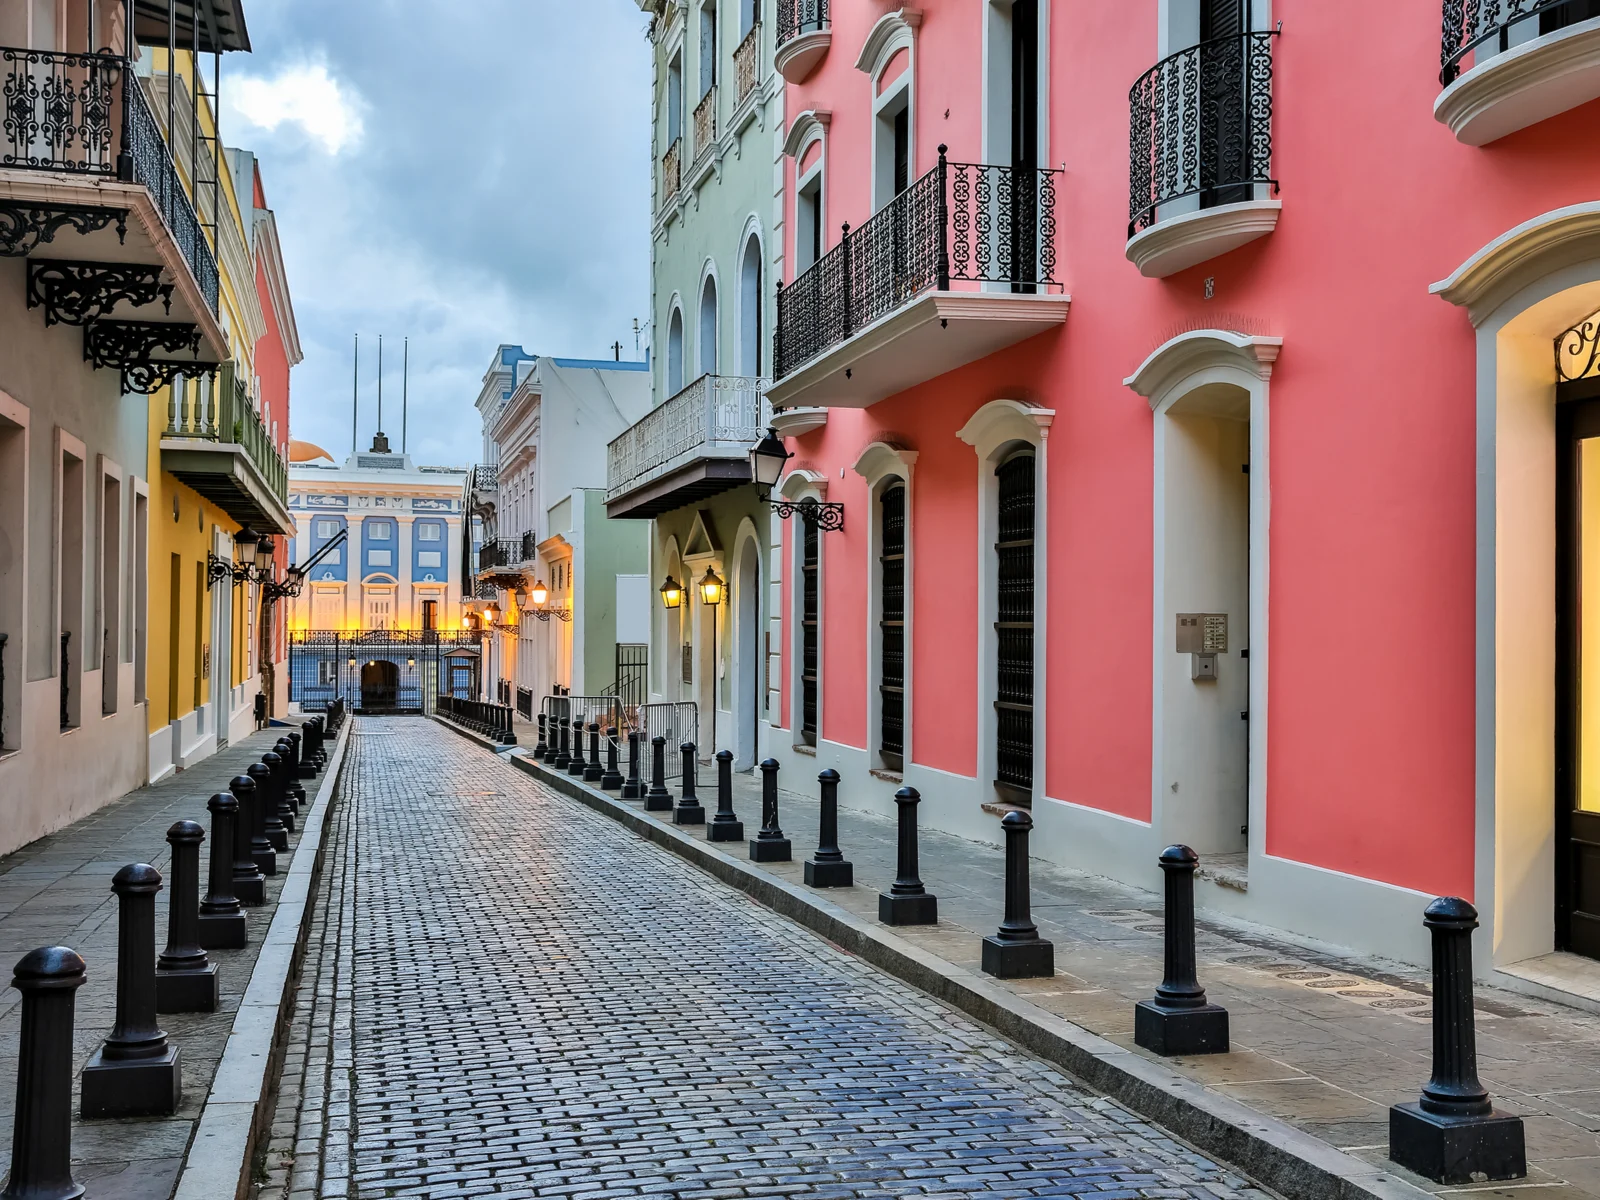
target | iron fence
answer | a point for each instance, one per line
(382, 670)
(678, 723)
(525, 703)
(498, 552)
(1470, 24)
(796, 17)
(960, 222)
(1201, 125)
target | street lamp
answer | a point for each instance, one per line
(264, 551)
(766, 467)
(711, 591)
(766, 460)
(540, 594)
(671, 593)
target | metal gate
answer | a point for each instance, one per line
(382, 670)
(633, 665)
(678, 723)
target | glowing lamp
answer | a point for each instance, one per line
(711, 587)
(540, 593)
(671, 593)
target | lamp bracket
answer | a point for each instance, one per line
(826, 515)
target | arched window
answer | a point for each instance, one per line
(1013, 561)
(707, 347)
(750, 308)
(675, 352)
(891, 625)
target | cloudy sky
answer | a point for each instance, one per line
(459, 172)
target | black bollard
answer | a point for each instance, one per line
(689, 811)
(297, 801)
(1453, 1133)
(288, 786)
(594, 772)
(633, 786)
(827, 868)
(277, 833)
(1017, 951)
(563, 758)
(1179, 1020)
(769, 844)
(612, 779)
(41, 1131)
(308, 749)
(579, 764)
(541, 747)
(249, 887)
(136, 1072)
(658, 799)
(266, 858)
(186, 980)
(221, 924)
(725, 826)
(296, 750)
(907, 902)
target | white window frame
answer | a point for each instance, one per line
(882, 465)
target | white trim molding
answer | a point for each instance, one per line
(894, 31)
(1522, 85)
(1522, 257)
(1177, 360)
(1175, 244)
(807, 126)
(881, 464)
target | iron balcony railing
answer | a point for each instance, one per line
(705, 124)
(1201, 125)
(716, 416)
(485, 477)
(964, 222)
(671, 170)
(747, 65)
(86, 114)
(218, 409)
(530, 546)
(1469, 24)
(796, 17)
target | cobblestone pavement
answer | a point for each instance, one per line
(509, 995)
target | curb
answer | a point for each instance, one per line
(1272, 1152)
(233, 1122)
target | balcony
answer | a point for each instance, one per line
(498, 553)
(671, 172)
(695, 445)
(1529, 60)
(91, 193)
(216, 443)
(882, 312)
(747, 66)
(705, 125)
(804, 36)
(1200, 161)
(483, 488)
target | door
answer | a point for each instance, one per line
(1013, 626)
(1224, 140)
(1568, 14)
(892, 628)
(380, 685)
(810, 546)
(1578, 670)
(1024, 143)
(380, 609)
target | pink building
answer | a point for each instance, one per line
(1226, 492)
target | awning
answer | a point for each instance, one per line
(224, 17)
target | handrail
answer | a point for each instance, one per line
(714, 414)
(217, 408)
(1469, 24)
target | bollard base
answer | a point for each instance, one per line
(252, 892)
(632, 791)
(575, 768)
(1457, 1149)
(593, 774)
(829, 874)
(288, 823)
(725, 831)
(279, 839)
(266, 862)
(225, 931)
(1173, 1031)
(770, 850)
(689, 814)
(1034, 959)
(654, 803)
(908, 910)
(187, 991)
(150, 1087)
(307, 771)
(611, 781)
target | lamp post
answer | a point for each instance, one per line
(711, 590)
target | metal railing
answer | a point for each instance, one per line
(671, 170)
(678, 723)
(490, 720)
(796, 17)
(498, 552)
(530, 546)
(747, 65)
(715, 416)
(525, 703)
(965, 222)
(86, 114)
(1200, 124)
(1471, 24)
(485, 478)
(218, 409)
(705, 123)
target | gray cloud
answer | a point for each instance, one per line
(500, 191)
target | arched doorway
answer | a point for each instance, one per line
(748, 658)
(380, 685)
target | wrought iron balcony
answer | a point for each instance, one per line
(803, 37)
(1201, 127)
(86, 115)
(1530, 60)
(485, 478)
(671, 171)
(963, 223)
(241, 470)
(497, 553)
(705, 124)
(1471, 24)
(530, 546)
(695, 445)
(747, 65)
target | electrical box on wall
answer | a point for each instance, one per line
(1203, 666)
(1202, 636)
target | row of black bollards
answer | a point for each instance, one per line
(137, 1070)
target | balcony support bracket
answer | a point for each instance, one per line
(130, 346)
(76, 293)
(25, 227)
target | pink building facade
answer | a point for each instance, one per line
(1232, 469)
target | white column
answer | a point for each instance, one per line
(352, 572)
(402, 573)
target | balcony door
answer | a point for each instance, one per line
(1224, 116)
(1568, 14)
(1024, 143)
(1013, 564)
(810, 547)
(892, 627)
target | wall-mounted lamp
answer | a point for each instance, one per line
(671, 593)
(540, 594)
(711, 587)
(766, 467)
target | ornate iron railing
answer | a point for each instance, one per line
(86, 114)
(796, 17)
(529, 547)
(1469, 24)
(498, 552)
(485, 478)
(747, 65)
(1578, 351)
(716, 416)
(671, 170)
(1201, 125)
(217, 408)
(965, 222)
(705, 124)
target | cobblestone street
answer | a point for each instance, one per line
(506, 994)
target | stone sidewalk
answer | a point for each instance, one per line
(57, 891)
(1323, 1042)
